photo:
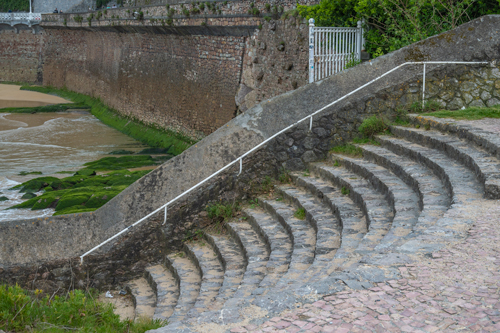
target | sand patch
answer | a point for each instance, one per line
(12, 96)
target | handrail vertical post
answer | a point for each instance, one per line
(423, 90)
(165, 219)
(241, 166)
(311, 50)
(359, 40)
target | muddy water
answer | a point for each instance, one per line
(50, 142)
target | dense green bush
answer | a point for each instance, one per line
(392, 24)
(14, 5)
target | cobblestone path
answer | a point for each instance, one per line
(455, 289)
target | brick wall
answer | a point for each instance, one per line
(183, 83)
(21, 54)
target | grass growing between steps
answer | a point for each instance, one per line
(150, 135)
(473, 113)
(78, 311)
(85, 191)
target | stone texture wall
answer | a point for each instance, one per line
(48, 6)
(21, 53)
(276, 61)
(183, 83)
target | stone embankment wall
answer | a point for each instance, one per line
(69, 6)
(21, 52)
(183, 83)
(39, 244)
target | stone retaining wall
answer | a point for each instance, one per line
(337, 124)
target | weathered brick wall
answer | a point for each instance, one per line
(21, 54)
(183, 83)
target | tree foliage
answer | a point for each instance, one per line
(392, 24)
(14, 5)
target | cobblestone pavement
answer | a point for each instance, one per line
(455, 289)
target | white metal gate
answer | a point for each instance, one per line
(332, 48)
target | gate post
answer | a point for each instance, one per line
(311, 50)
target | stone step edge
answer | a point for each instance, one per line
(481, 138)
(491, 183)
(396, 169)
(256, 227)
(355, 196)
(429, 163)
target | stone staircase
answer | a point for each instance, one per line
(362, 217)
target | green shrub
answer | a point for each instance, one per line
(222, 211)
(372, 126)
(284, 176)
(268, 7)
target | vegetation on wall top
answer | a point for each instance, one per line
(14, 5)
(393, 24)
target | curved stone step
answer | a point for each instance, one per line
(166, 288)
(321, 218)
(352, 220)
(205, 258)
(257, 254)
(485, 166)
(375, 206)
(488, 141)
(434, 196)
(143, 296)
(460, 181)
(302, 234)
(280, 245)
(189, 277)
(234, 263)
(402, 198)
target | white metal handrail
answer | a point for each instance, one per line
(26, 18)
(239, 159)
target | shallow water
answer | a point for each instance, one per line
(51, 142)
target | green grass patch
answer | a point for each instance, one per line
(284, 176)
(119, 163)
(348, 149)
(44, 108)
(345, 191)
(78, 311)
(365, 141)
(472, 113)
(150, 135)
(300, 213)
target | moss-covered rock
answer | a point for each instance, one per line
(72, 200)
(74, 210)
(28, 196)
(48, 189)
(35, 185)
(45, 201)
(2, 198)
(85, 172)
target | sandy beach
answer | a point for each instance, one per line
(12, 96)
